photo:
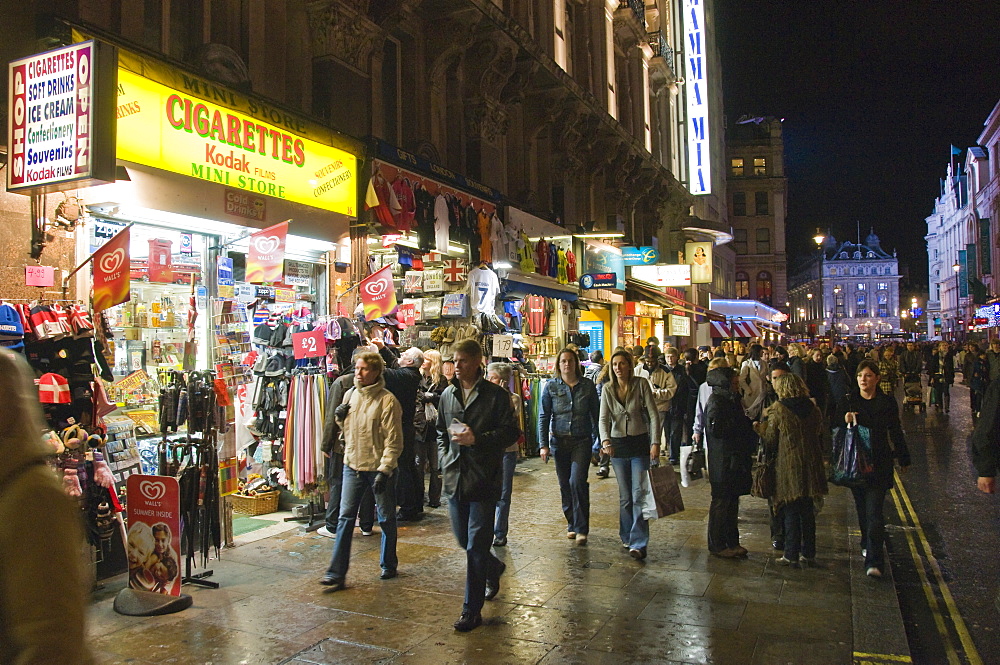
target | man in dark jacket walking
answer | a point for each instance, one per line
(474, 427)
(673, 423)
(986, 439)
(403, 382)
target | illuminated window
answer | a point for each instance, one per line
(760, 166)
(764, 287)
(742, 285)
(883, 304)
(737, 166)
(862, 309)
(760, 203)
(740, 204)
(861, 287)
(882, 286)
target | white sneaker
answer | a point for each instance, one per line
(864, 552)
(366, 533)
(873, 572)
(323, 531)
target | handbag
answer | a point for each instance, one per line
(663, 493)
(695, 463)
(851, 457)
(763, 480)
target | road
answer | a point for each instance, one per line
(944, 540)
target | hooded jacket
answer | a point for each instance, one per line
(43, 585)
(373, 430)
(792, 430)
(729, 434)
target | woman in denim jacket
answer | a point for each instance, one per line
(568, 421)
(628, 418)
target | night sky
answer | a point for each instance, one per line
(873, 94)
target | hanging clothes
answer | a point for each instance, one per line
(442, 223)
(407, 204)
(485, 237)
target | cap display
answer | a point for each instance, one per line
(53, 389)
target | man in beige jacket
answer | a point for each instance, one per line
(371, 420)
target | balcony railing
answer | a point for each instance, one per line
(661, 49)
(638, 8)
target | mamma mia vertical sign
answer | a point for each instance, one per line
(696, 90)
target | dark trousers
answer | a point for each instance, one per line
(409, 484)
(800, 529)
(723, 513)
(427, 461)
(335, 480)
(869, 501)
(472, 524)
(673, 428)
(572, 457)
(777, 523)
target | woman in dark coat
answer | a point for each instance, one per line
(731, 443)
(872, 408)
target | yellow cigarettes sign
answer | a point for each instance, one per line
(176, 131)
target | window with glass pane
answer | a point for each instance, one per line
(764, 287)
(760, 203)
(740, 204)
(742, 285)
(883, 286)
(861, 287)
(764, 241)
(760, 166)
(883, 304)
(737, 166)
(862, 309)
(740, 241)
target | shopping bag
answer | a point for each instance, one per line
(763, 476)
(666, 490)
(648, 503)
(851, 457)
(695, 463)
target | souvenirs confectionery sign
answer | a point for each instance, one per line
(154, 534)
(214, 134)
(61, 129)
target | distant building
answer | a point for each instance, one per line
(758, 204)
(849, 287)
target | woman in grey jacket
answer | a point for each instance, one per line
(628, 416)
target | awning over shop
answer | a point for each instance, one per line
(736, 329)
(658, 296)
(518, 284)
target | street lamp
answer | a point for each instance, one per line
(956, 267)
(819, 237)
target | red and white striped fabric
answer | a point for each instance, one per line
(720, 329)
(745, 329)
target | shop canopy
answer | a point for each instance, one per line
(734, 329)
(517, 284)
(636, 290)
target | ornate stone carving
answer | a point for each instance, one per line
(340, 30)
(487, 119)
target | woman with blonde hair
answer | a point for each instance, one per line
(790, 434)
(627, 425)
(432, 384)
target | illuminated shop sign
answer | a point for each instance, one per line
(185, 133)
(696, 89)
(60, 126)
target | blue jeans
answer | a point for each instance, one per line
(633, 529)
(354, 487)
(800, 529)
(572, 457)
(471, 526)
(503, 505)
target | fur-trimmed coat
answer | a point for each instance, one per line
(791, 428)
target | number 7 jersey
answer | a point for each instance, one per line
(484, 287)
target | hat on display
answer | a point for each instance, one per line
(261, 335)
(53, 389)
(11, 327)
(275, 365)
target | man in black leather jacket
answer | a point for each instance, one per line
(475, 424)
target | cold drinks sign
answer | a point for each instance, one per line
(60, 124)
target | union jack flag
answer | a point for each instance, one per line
(455, 270)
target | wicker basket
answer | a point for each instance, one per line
(261, 504)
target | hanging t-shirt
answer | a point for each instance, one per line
(485, 238)
(561, 273)
(536, 311)
(524, 253)
(484, 287)
(553, 260)
(496, 235)
(570, 266)
(407, 204)
(441, 223)
(542, 252)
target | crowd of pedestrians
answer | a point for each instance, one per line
(397, 420)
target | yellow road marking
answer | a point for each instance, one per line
(971, 653)
(861, 658)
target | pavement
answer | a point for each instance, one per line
(559, 603)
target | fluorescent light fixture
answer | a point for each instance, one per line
(550, 238)
(502, 265)
(600, 234)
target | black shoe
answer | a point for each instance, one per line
(603, 472)
(499, 542)
(468, 621)
(674, 462)
(388, 574)
(434, 504)
(493, 586)
(778, 544)
(409, 517)
(335, 583)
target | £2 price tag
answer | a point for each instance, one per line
(308, 344)
(503, 345)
